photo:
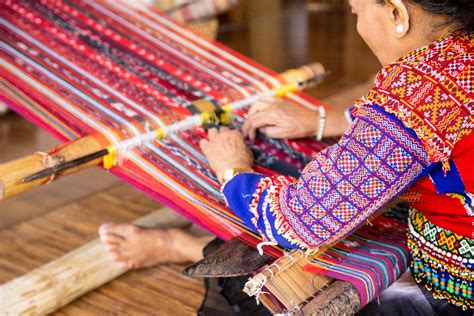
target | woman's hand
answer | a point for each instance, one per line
(277, 118)
(226, 149)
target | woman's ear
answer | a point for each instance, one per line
(399, 17)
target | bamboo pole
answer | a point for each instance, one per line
(55, 284)
(286, 281)
(254, 285)
(12, 173)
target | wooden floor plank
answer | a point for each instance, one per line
(41, 239)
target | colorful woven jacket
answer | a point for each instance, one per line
(411, 134)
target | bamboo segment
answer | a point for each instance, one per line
(314, 70)
(286, 281)
(12, 173)
(60, 281)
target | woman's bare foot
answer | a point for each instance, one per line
(137, 247)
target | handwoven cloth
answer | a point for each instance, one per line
(371, 258)
(76, 68)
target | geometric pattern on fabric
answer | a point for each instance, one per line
(345, 184)
(442, 238)
(442, 261)
(371, 258)
(406, 124)
(430, 91)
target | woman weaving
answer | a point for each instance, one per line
(410, 137)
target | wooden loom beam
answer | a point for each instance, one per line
(55, 284)
(323, 296)
(12, 172)
(339, 298)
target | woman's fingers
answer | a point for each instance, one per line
(273, 132)
(262, 104)
(224, 129)
(212, 133)
(203, 144)
(258, 120)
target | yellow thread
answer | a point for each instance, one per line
(209, 118)
(227, 108)
(160, 133)
(206, 118)
(461, 198)
(226, 118)
(284, 90)
(432, 80)
(110, 160)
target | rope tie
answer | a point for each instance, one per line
(50, 161)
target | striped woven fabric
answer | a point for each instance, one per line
(76, 68)
(371, 258)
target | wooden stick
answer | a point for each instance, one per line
(286, 281)
(55, 284)
(233, 258)
(255, 284)
(13, 173)
(339, 298)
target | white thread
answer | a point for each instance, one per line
(276, 265)
(254, 287)
(187, 123)
(291, 258)
(265, 243)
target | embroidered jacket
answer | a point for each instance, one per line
(411, 134)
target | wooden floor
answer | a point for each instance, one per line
(277, 33)
(29, 244)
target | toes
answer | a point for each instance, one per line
(104, 228)
(122, 230)
(111, 247)
(118, 256)
(128, 265)
(111, 239)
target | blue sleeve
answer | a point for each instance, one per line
(347, 183)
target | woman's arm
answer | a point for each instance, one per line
(375, 160)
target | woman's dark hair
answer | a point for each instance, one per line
(457, 11)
